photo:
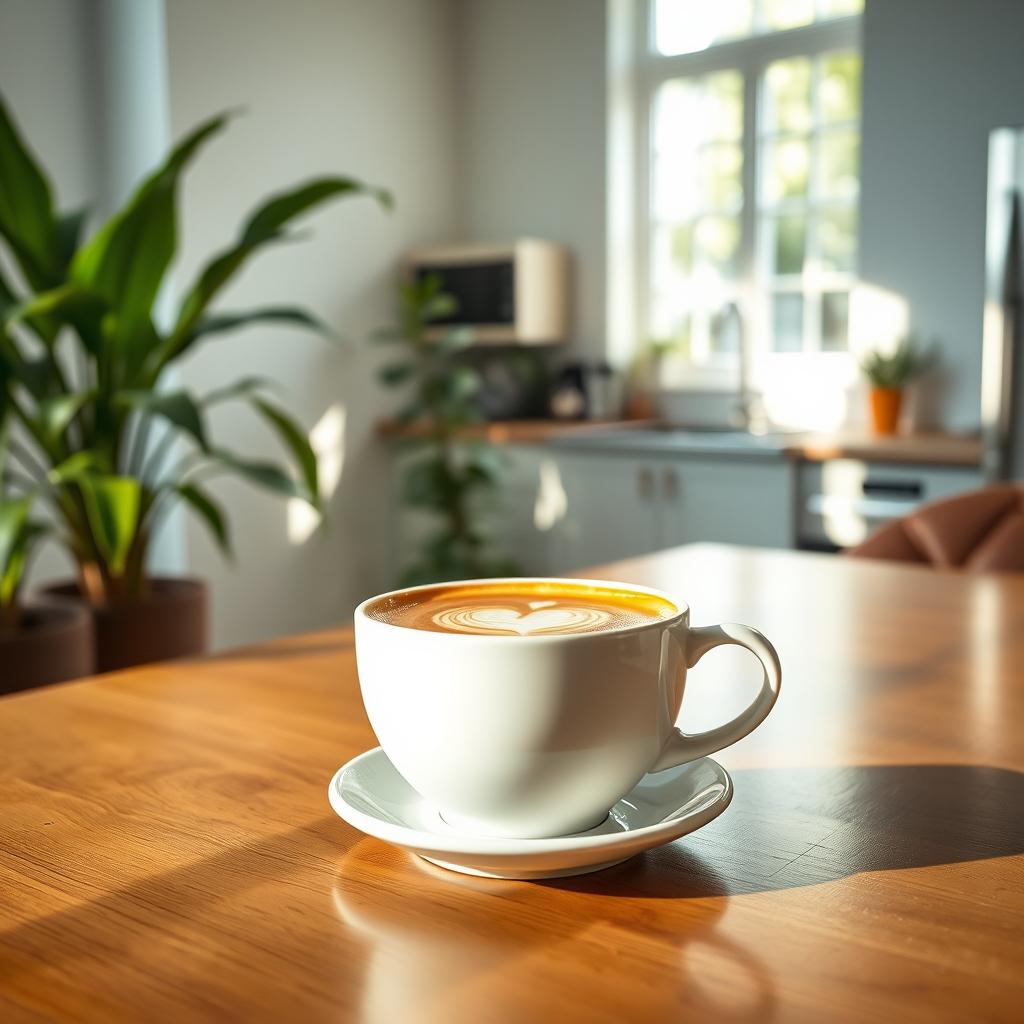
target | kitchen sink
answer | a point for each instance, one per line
(670, 437)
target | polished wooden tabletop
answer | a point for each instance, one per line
(167, 852)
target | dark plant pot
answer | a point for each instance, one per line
(54, 642)
(169, 621)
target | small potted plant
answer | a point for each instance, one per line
(105, 436)
(888, 374)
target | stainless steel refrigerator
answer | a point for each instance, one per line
(1002, 411)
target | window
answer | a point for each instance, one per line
(750, 152)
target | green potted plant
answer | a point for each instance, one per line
(106, 438)
(446, 473)
(888, 374)
(42, 641)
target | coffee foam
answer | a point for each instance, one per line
(527, 609)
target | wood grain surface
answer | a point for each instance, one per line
(167, 852)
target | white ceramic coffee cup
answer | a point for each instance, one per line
(535, 736)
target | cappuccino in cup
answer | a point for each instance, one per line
(541, 608)
(524, 708)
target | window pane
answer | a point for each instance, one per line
(720, 187)
(840, 87)
(716, 244)
(787, 323)
(723, 103)
(837, 240)
(681, 247)
(779, 14)
(835, 315)
(787, 166)
(685, 26)
(692, 111)
(789, 244)
(787, 96)
(840, 159)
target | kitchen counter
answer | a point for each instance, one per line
(648, 437)
(517, 431)
(934, 449)
(930, 449)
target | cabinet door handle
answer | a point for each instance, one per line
(670, 484)
(645, 482)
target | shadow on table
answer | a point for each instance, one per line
(790, 827)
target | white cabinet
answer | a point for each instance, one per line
(729, 501)
(618, 506)
(611, 510)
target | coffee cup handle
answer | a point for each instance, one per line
(682, 747)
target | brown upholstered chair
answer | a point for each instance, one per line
(981, 531)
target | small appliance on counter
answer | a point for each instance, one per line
(516, 293)
(587, 391)
(514, 381)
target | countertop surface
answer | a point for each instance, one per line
(650, 438)
(167, 852)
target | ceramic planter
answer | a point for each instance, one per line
(886, 404)
(53, 642)
(171, 620)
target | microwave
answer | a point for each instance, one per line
(511, 294)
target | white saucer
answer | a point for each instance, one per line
(369, 793)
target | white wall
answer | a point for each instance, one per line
(46, 79)
(938, 75)
(329, 87)
(532, 123)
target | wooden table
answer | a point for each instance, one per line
(167, 852)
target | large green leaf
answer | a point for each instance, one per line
(54, 414)
(125, 261)
(295, 440)
(75, 467)
(263, 474)
(177, 407)
(210, 512)
(68, 302)
(26, 207)
(14, 514)
(176, 345)
(239, 389)
(264, 226)
(8, 300)
(17, 535)
(32, 372)
(69, 233)
(112, 505)
(14, 570)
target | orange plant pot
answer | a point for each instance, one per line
(886, 404)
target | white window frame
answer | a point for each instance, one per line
(750, 56)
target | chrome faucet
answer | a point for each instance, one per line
(748, 411)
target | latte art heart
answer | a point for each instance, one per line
(561, 619)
